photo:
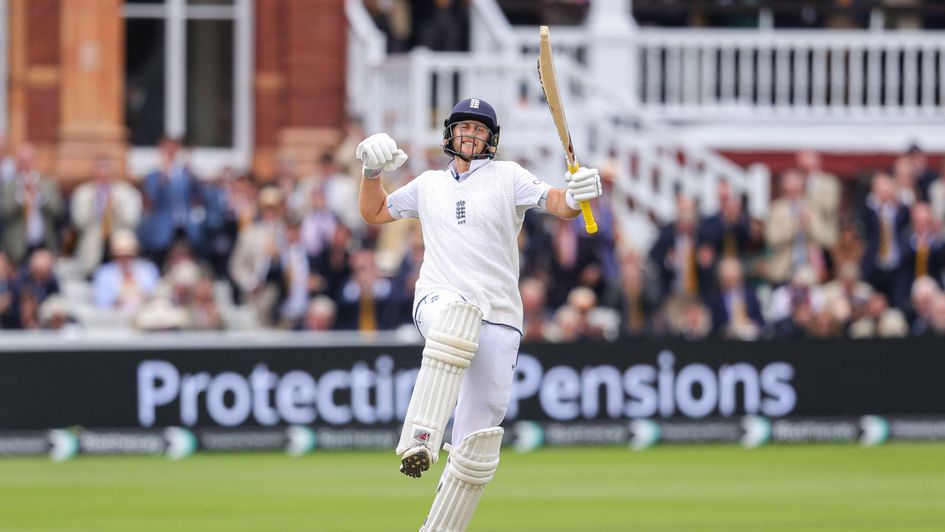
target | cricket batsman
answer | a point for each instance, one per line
(467, 305)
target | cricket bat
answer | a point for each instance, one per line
(549, 84)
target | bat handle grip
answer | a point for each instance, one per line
(590, 225)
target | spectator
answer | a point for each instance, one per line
(824, 324)
(637, 295)
(242, 201)
(31, 208)
(320, 315)
(286, 179)
(204, 313)
(798, 321)
(291, 271)
(803, 288)
(341, 191)
(924, 293)
(445, 28)
(936, 198)
(883, 219)
(823, 192)
(688, 319)
(566, 325)
(795, 233)
(179, 283)
(583, 300)
(736, 312)
(126, 281)
(726, 233)
(924, 174)
(849, 287)
(534, 309)
(100, 207)
(173, 204)
(393, 18)
(35, 283)
(54, 314)
(160, 315)
(603, 324)
(849, 247)
(682, 270)
(923, 251)
(334, 265)
(319, 224)
(408, 272)
(366, 301)
(907, 190)
(220, 226)
(8, 276)
(879, 320)
(256, 246)
(937, 324)
(535, 241)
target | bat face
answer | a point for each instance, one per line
(549, 85)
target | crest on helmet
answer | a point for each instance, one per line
(472, 109)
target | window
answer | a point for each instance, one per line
(188, 68)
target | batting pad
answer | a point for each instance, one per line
(470, 467)
(451, 344)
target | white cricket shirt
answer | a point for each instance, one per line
(470, 232)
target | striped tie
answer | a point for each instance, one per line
(921, 258)
(367, 318)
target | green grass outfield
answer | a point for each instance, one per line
(809, 487)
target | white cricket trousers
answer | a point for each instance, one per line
(487, 385)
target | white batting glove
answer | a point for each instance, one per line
(379, 152)
(583, 185)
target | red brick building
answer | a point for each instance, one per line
(241, 81)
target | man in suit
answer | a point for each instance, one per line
(100, 207)
(823, 193)
(883, 219)
(736, 312)
(31, 208)
(727, 231)
(794, 233)
(682, 265)
(173, 204)
(923, 252)
(256, 248)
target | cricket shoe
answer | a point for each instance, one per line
(416, 460)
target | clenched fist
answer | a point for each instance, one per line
(379, 152)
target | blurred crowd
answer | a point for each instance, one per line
(831, 260)
(174, 251)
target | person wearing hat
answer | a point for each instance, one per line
(256, 246)
(467, 303)
(127, 280)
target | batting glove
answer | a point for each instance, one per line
(583, 185)
(379, 152)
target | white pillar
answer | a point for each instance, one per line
(612, 47)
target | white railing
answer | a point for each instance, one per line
(366, 48)
(857, 75)
(410, 94)
(690, 74)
